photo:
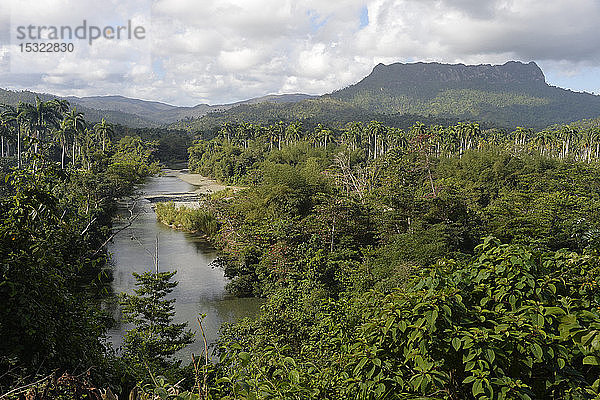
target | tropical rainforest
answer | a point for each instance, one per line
(438, 261)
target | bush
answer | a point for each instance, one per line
(510, 324)
(187, 218)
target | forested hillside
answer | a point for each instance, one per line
(115, 116)
(508, 95)
(504, 96)
(310, 112)
(135, 113)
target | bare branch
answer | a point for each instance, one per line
(88, 226)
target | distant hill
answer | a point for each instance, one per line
(141, 113)
(510, 94)
(161, 113)
(113, 115)
(321, 110)
(505, 95)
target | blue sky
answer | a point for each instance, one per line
(585, 78)
(219, 51)
(364, 17)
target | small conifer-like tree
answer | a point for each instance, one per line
(149, 347)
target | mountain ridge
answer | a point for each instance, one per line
(141, 113)
(511, 71)
(506, 95)
(510, 94)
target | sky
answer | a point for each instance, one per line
(221, 51)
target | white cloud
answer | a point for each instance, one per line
(219, 51)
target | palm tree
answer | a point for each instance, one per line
(521, 135)
(61, 106)
(376, 133)
(8, 127)
(76, 126)
(39, 118)
(4, 133)
(467, 132)
(88, 137)
(279, 131)
(595, 132)
(543, 141)
(397, 139)
(61, 134)
(227, 130)
(451, 140)
(105, 131)
(327, 135)
(273, 135)
(568, 135)
(242, 133)
(293, 132)
(354, 133)
(22, 112)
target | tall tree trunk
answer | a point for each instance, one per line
(19, 148)
(62, 156)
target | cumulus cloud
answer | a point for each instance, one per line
(219, 51)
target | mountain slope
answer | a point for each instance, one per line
(311, 112)
(139, 113)
(511, 94)
(115, 116)
(505, 95)
(121, 103)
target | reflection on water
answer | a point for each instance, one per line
(201, 288)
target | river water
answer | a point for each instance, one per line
(201, 288)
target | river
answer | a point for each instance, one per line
(201, 288)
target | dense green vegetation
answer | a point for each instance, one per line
(311, 112)
(442, 262)
(445, 262)
(186, 218)
(170, 146)
(152, 343)
(60, 179)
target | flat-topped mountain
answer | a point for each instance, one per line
(508, 95)
(511, 94)
(512, 72)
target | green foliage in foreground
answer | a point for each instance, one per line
(59, 180)
(153, 341)
(508, 324)
(368, 251)
(187, 218)
(49, 277)
(366, 243)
